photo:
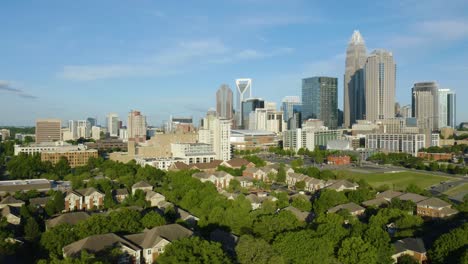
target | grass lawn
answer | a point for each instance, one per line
(398, 181)
(462, 188)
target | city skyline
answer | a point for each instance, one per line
(63, 67)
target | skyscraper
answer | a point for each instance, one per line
(287, 106)
(447, 104)
(380, 76)
(320, 100)
(113, 124)
(48, 130)
(92, 121)
(249, 106)
(425, 104)
(244, 91)
(224, 100)
(136, 126)
(354, 92)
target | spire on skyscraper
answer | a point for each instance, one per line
(356, 38)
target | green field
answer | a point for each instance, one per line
(397, 181)
(462, 188)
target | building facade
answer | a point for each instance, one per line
(224, 101)
(380, 77)
(136, 126)
(447, 108)
(249, 106)
(75, 158)
(48, 130)
(396, 143)
(113, 124)
(425, 105)
(320, 100)
(193, 152)
(354, 92)
(244, 91)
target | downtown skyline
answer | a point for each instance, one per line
(162, 60)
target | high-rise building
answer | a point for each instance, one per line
(425, 105)
(92, 121)
(354, 92)
(380, 76)
(78, 129)
(48, 130)
(405, 111)
(136, 126)
(113, 124)
(447, 104)
(320, 100)
(397, 109)
(287, 106)
(244, 91)
(249, 106)
(217, 132)
(224, 101)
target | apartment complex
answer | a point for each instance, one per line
(75, 158)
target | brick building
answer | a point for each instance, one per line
(339, 160)
(75, 158)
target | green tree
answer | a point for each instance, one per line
(449, 247)
(193, 250)
(250, 250)
(304, 247)
(297, 163)
(152, 219)
(300, 185)
(56, 238)
(109, 201)
(62, 167)
(31, 230)
(328, 199)
(407, 259)
(268, 226)
(302, 203)
(354, 250)
(360, 195)
(281, 175)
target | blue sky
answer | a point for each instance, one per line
(74, 59)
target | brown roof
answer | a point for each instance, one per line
(351, 207)
(389, 194)
(11, 200)
(97, 243)
(412, 197)
(68, 218)
(87, 191)
(433, 202)
(122, 191)
(412, 244)
(300, 215)
(345, 183)
(180, 165)
(141, 184)
(238, 162)
(41, 201)
(151, 237)
(375, 202)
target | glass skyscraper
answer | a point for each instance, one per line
(249, 106)
(320, 100)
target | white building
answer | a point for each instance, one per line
(217, 132)
(309, 138)
(123, 134)
(113, 124)
(159, 163)
(405, 143)
(447, 108)
(266, 119)
(426, 105)
(95, 132)
(78, 129)
(47, 146)
(193, 152)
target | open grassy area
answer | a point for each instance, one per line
(398, 181)
(462, 188)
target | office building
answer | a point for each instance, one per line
(113, 124)
(34, 148)
(406, 111)
(320, 100)
(354, 91)
(249, 106)
(396, 143)
(75, 158)
(193, 152)
(380, 77)
(216, 132)
(96, 132)
(77, 129)
(48, 130)
(266, 119)
(252, 139)
(447, 108)
(92, 121)
(136, 126)
(224, 101)
(244, 91)
(309, 138)
(177, 122)
(290, 105)
(425, 105)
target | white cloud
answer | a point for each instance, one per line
(175, 60)
(10, 87)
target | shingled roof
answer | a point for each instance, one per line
(141, 184)
(151, 237)
(413, 244)
(10, 200)
(351, 207)
(97, 243)
(433, 203)
(72, 218)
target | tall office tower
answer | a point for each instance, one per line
(397, 109)
(447, 104)
(244, 91)
(296, 120)
(113, 124)
(354, 92)
(405, 111)
(320, 100)
(48, 130)
(224, 101)
(380, 76)
(287, 106)
(249, 106)
(425, 105)
(92, 121)
(136, 126)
